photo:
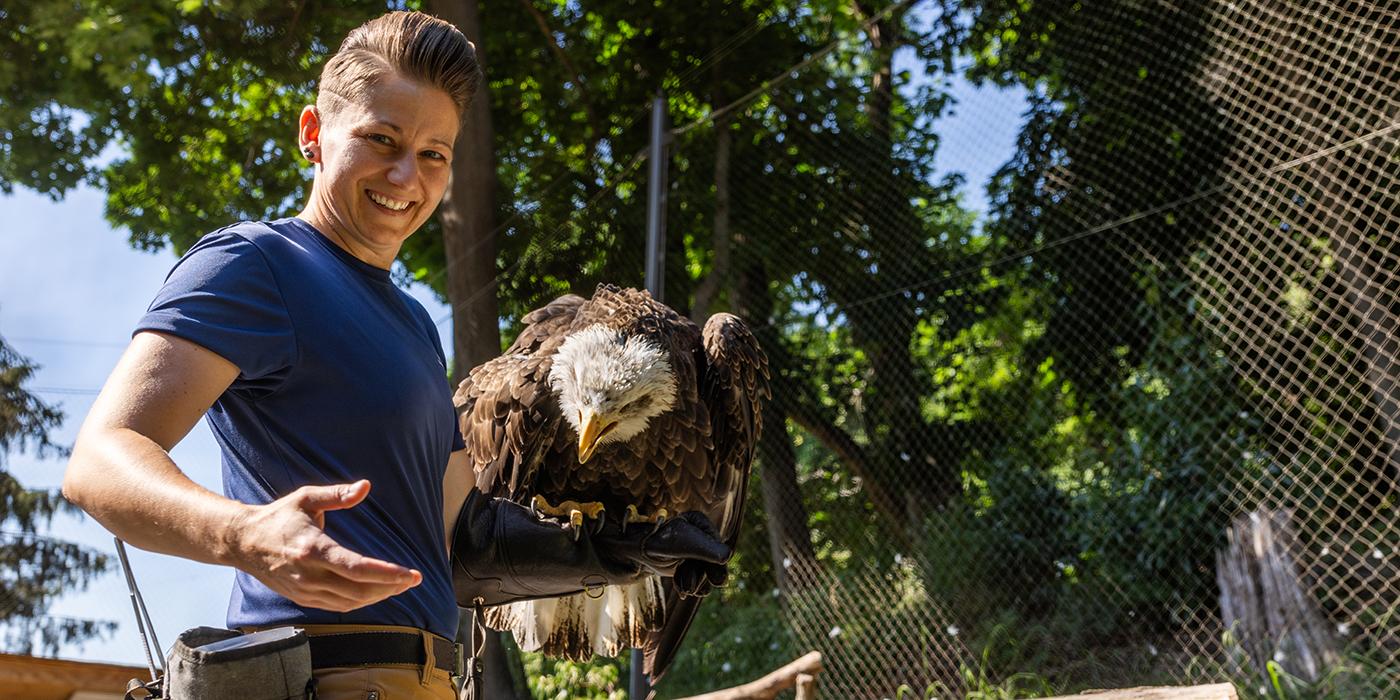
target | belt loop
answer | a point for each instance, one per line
(425, 673)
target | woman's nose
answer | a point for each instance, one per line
(403, 170)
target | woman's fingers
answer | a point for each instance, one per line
(324, 588)
(359, 568)
(349, 579)
(286, 547)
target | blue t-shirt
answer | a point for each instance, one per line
(341, 377)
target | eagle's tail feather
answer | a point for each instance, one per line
(577, 626)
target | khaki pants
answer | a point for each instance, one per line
(388, 682)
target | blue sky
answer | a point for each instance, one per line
(71, 289)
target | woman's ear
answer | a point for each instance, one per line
(309, 133)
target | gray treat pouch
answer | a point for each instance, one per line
(208, 663)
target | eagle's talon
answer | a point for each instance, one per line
(539, 505)
(633, 516)
(572, 511)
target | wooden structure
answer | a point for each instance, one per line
(35, 678)
(801, 675)
(1219, 691)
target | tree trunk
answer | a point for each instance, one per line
(1365, 251)
(467, 216)
(709, 287)
(1264, 603)
(1369, 301)
(789, 538)
(904, 459)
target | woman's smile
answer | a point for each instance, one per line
(385, 161)
(387, 203)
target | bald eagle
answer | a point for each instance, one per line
(616, 407)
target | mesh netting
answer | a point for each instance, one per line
(1006, 446)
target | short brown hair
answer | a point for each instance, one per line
(416, 45)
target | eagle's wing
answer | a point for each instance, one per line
(508, 419)
(734, 386)
(547, 323)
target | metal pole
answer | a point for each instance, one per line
(656, 282)
(139, 607)
(656, 200)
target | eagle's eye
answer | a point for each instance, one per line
(639, 404)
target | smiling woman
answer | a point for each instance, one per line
(321, 380)
(381, 133)
(383, 163)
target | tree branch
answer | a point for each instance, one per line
(803, 410)
(768, 687)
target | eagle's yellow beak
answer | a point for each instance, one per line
(591, 429)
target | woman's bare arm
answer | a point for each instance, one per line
(121, 473)
(456, 484)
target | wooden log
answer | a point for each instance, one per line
(1219, 691)
(806, 687)
(768, 687)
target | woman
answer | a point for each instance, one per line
(322, 380)
(324, 385)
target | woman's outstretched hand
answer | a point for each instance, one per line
(284, 545)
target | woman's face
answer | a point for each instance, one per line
(384, 165)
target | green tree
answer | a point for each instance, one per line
(198, 100)
(1089, 155)
(35, 570)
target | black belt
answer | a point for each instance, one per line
(380, 649)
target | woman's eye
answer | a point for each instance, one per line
(434, 155)
(381, 138)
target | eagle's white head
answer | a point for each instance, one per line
(610, 385)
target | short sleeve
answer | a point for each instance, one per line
(430, 329)
(457, 442)
(223, 296)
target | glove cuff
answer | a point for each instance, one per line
(502, 552)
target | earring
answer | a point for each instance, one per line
(308, 153)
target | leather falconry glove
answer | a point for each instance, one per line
(503, 552)
(685, 547)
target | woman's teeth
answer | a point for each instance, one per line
(388, 203)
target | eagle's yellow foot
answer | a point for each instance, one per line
(633, 516)
(573, 510)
